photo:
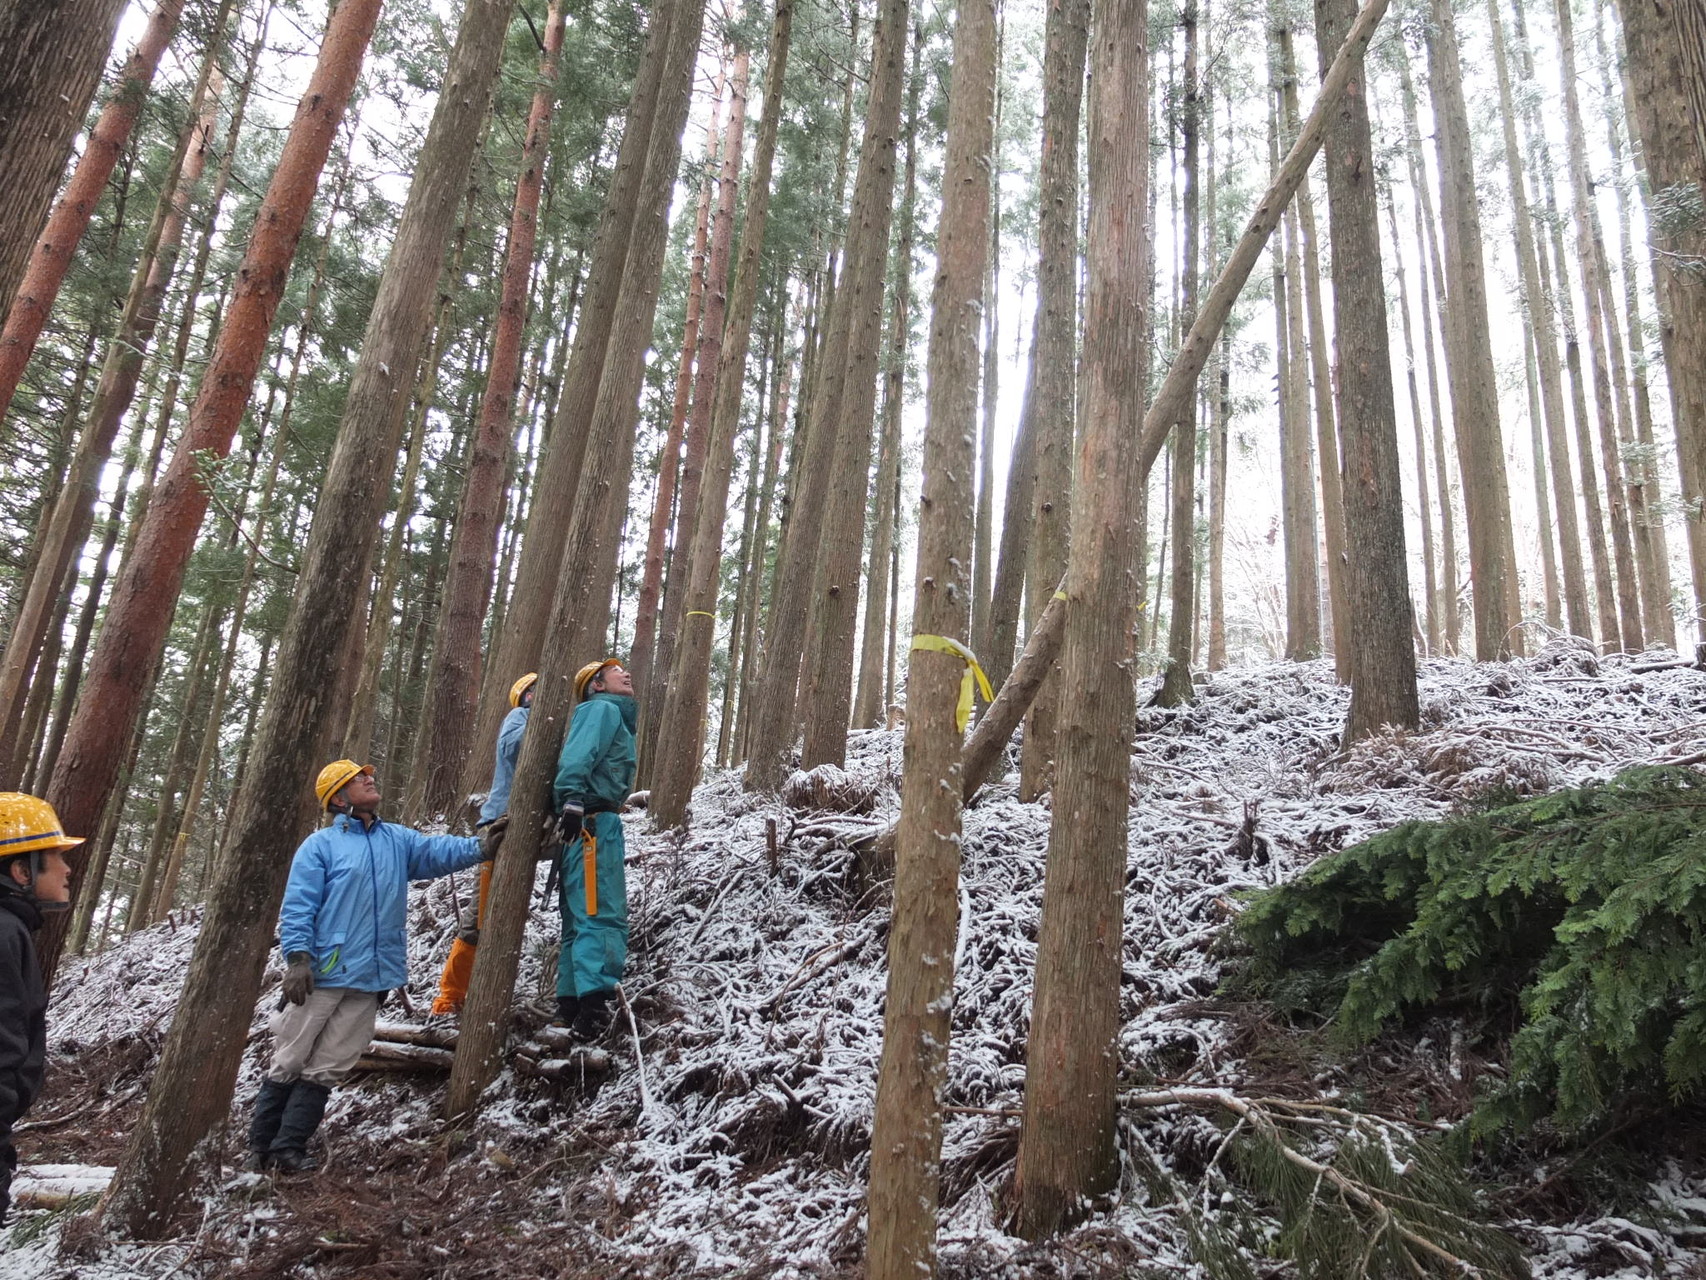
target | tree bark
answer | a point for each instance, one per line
(686, 695)
(454, 682)
(1176, 686)
(1049, 411)
(1469, 358)
(906, 1133)
(588, 567)
(1066, 1140)
(51, 54)
(697, 467)
(1667, 111)
(1539, 309)
(192, 1086)
(51, 257)
(74, 511)
(147, 588)
(870, 702)
(519, 647)
(1297, 456)
(670, 467)
(1383, 659)
(827, 671)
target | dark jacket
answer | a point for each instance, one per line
(23, 1023)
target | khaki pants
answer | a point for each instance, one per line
(321, 1039)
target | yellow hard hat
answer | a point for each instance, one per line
(29, 825)
(335, 776)
(520, 687)
(588, 673)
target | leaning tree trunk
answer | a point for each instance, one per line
(51, 257)
(587, 568)
(1067, 1150)
(454, 682)
(518, 647)
(147, 588)
(906, 1133)
(51, 53)
(686, 695)
(1383, 658)
(1667, 111)
(192, 1086)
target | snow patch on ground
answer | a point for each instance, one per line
(733, 1140)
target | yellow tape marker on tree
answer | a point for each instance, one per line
(699, 613)
(974, 673)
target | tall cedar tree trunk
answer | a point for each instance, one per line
(1429, 289)
(988, 741)
(1176, 688)
(686, 695)
(491, 987)
(983, 530)
(827, 672)
(1383, 657)
(1539, 309)
(1653, 552)
(696, 465)
(74, 511)
(519, 645)
(1045, 529)
(871, 701)
(1219, 397)
(640, 660)
(454, 683)
(192, 1086)
(906, 1132)
(52, 254)
(1430, 577)
(1297, 455)
(1590, 251)
(834, 399)
(1066, 1140)
(1321, 379)
(1469, 358)
(1667, 112)
(51, 54)
(590, 554)
(147, 587)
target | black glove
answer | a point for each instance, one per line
(492, 837)
(569, 823)
(299, 977)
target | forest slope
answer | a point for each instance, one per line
(734, 1142)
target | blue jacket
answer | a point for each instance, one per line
(597, 761)
(346, 903)
(503, 772)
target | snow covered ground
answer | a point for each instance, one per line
(732, 1140)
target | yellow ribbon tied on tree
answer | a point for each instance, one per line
(974, 676)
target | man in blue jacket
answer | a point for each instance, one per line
(594, 773)
(343, 930)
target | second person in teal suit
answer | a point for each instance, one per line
(594, 773)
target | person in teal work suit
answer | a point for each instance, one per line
(594, 773)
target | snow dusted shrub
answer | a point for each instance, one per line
(1585, 910)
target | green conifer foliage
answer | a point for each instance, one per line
(1583, 911)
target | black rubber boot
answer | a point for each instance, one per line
(263, 1125)
(302, 1115)
(568, 1007)
(593, 1020)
